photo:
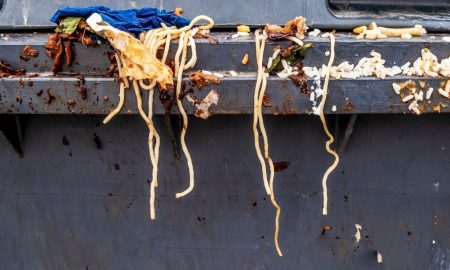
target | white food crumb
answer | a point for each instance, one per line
(282, 75)
(240, 34)
(207, 72)
(325, 35)
(358, 232)
(218, 75)
(314, 33)
(408, 98)
(397, 88)
(379, 257)
(333, 108)
(446, 39)
(406, 36)
(443, 93)
(429, 93)
(233, 73)
(327, 53)
(412, 105)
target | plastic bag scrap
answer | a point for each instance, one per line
(130, 20)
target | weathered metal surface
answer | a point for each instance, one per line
(368, 95)
(21, 14)
(228, 54)
(71, 207)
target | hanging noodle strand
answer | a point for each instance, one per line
(154, 40)
(325, 128)
(260, 88)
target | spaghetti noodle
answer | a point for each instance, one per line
(325, 128)
(136, 61)
(260, 88)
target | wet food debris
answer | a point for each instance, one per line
(201, 79)
(203, 106)
(28, 52)
(7, 71)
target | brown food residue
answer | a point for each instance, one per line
(49, 98)
(166, 97)
(280, 166)
(28, 52)
(83, 92)
(213, 41)
(7, 71)
(295, 28)
(325, 229)
(200, 79)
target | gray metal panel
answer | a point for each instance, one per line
(67, 207)
(368, 95)
(228, 54)
(23, 14)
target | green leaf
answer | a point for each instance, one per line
(68, 25)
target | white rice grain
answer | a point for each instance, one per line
(429, 93)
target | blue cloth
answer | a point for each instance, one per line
(129, 20)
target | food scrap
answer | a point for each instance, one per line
(358, 232)
(379, 257)
(202, 78)
(28, 52)
(372, 31)
(418, 95)
(203, 106)
(7, 71)
(293, 28)
(243, 28)
(245, 59)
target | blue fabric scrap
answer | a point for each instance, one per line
(129, 20)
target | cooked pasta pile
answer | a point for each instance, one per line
(146, 75)
(258, 121)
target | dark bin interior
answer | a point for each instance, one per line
(76, 206)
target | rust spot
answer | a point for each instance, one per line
(266, 101)
(39, 93)
(348, 106)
